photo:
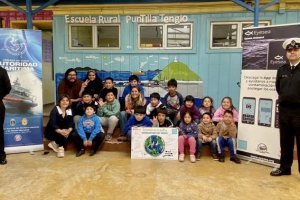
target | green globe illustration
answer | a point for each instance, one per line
(154, 145)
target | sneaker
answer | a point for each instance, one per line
(192, 158)
(61, 152)
(79, 153)
(3, 161)
(198, 156)
(236, 160)
(92, 152)
(122, 138)
(52, 145)
(181, 157)
(214, 156)
(108, 137)
(221, 159)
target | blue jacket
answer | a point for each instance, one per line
(133, 122)
(90, 125)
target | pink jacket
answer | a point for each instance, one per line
(218, 116)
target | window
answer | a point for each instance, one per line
(229, 34)
(94, 36)
(81, 36)
(151, 36)
(179, 35)
(108, 36)
(224, 35)
(165, 36)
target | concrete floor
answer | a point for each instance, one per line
(113, 175)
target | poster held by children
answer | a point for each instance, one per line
(154, 143)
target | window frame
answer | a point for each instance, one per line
(94, 37)
(239, 32)
(139, 36)
(191, 36)
(164, 36)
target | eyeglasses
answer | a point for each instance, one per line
(71, 74)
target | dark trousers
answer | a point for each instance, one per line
(58, 138)
(97, 141)
(289, 126)
(2, 116)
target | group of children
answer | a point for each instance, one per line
(196, 126)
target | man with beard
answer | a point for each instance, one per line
(70, 86)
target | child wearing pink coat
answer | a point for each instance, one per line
(226, 104)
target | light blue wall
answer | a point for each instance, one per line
(219, 69)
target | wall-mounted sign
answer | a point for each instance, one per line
(101, 19)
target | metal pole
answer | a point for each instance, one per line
(29, 13)
(256, 13)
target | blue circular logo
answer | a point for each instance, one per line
(15, 45)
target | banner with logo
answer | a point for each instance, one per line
(154, 143)
(258, 131)
(21, 56)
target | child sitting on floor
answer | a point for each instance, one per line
(108, 86)
(207, 106)
(138, 119)
(109, 113)
(188, 133)
(88, 133)
(151, 110)
(87, 99)
(173, 100)
(206, 136)
(161, 119)
(226, 104)
(227, 132)
(189, 105)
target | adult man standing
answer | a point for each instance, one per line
(5, 88)
(288, 89)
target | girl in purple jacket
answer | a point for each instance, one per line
(189, 106)
(188, 132)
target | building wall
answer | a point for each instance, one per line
(48, 81)
(8, 16)
(219, 69)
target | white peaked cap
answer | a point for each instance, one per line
(291, 43)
